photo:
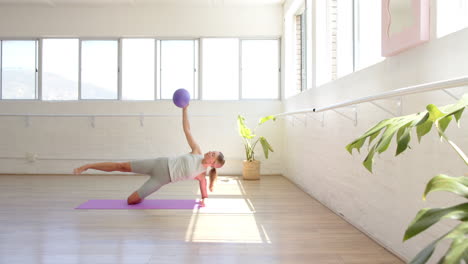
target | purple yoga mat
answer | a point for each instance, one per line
(146, 204)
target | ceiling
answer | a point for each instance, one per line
(111, 3)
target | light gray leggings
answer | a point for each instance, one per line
(157, 169)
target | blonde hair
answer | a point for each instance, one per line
(213, 173)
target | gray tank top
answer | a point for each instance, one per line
(185, 167)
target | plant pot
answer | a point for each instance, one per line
(251, 170)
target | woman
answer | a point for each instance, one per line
(164, 170)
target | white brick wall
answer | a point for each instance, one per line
(62, 143)
(384, 203)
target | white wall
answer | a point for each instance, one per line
(150, 20)
(384, 203)
(63, 143)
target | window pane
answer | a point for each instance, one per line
(99, 69)
(60, 69)
(451, 16)
(322, 44)
(220, 64)
(368, 33)
(177, 67)
(19, 69)
(344, 37)
(260, 65)
(138, 69)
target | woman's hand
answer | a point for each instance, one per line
(202, 202)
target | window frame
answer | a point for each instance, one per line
(40, 77)
(120, 76)
(278, 39)
(201, 90)
(119, 66)
(196, 65)
(197, 52)
(36, 61)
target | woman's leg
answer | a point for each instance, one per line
(150, 186)
(159, 176)
(105, 166)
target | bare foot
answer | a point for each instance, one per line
(134, 202)
(79, 170)
(134, 198)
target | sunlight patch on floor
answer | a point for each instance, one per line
(226, 220)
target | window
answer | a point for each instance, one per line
(367, 33)
(451, 16)
(323, 73)
(144, 68)
(99, 69)
(138, 69)
(260, 69)
(178, 67)
(18, 67)
(220, 69)
(60, 69)
(344, 38)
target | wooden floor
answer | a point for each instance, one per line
(267, 221)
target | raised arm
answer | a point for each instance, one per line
(188, 134)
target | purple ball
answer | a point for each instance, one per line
(181, 98)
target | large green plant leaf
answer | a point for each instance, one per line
(441, 182)
(427, 217)
(402, 126)
(266, 146)
(244, 131)
(454, 254)
(266, 118)
(456, 251)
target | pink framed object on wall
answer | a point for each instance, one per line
(410, 35)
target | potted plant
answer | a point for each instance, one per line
(427, 217)
(251, 166)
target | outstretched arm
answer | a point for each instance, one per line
(188, 133)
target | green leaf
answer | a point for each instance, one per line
(266, 118)
(424, 128)
(434, 112)
(465, 257)
(403, 141)
(244, 131)
(458, 233)
(369, 159)
(441, 182)
(443, 123)
(357, 144)
(403, 125)
(424, 255)
(401, 131)
(427, 217)
(456, 251)
(376, 129)
(386, 138)
(373, 136)
(266, 146)
(457, 116)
